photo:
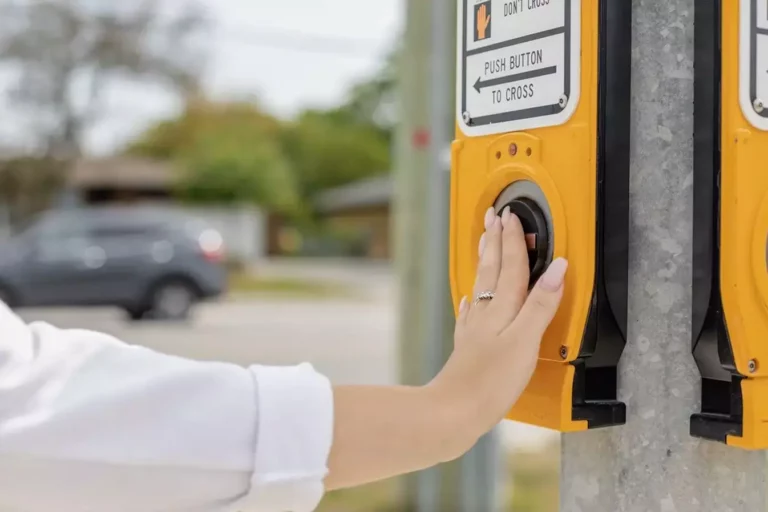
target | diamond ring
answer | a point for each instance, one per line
(484, 296)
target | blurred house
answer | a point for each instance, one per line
(125, 180)
(119, 180)
(363, 208)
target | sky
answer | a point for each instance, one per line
(289, 78)
(289, 54)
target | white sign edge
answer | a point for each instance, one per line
(525, 124)
(745, 67)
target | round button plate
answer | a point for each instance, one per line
(526, 200)
(537, 235)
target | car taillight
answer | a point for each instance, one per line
(211, 245)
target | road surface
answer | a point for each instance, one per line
(351, 342)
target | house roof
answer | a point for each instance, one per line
(121, 172)
(367, 193)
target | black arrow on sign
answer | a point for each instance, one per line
(482, 84)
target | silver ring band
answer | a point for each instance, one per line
(484, 296)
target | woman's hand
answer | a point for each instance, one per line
(380, 432)
(497, 341)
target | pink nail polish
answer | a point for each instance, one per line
(553, 278)
(490, 214)
(506, 216)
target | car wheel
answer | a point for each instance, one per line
(137, 314)
(173, 301)
(6, 297)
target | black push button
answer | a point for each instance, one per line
(537, 235)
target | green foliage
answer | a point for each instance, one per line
(227, 153)
(376, 497)
(374, 101)
(246, 283)
(535, 479)
(237, 152)
(533, 486)
(326, 150)
(350, 142)
(228, 167)
(170, 139)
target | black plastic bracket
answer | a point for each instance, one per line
(721, 412)
(595, 387)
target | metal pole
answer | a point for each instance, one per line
(477, 471)
(409, 207)
(652, 464)
(438, 485)
(422, 223)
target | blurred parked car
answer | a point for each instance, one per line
(150, 262)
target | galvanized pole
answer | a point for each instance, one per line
(438, 486)
(423, 190)
(652, 464)
(420, 192)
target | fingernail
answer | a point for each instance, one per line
(490, 214)
(494, 229)
(481, 246)
(506, 216)
(553, 278)
(463, 305)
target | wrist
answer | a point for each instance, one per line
(456, 420)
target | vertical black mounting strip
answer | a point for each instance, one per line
(721, 400)
(595, 390)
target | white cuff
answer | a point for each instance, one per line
(293, 438)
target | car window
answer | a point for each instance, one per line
(128, 238)
(44, 225)
(58, 242)
(127, 231)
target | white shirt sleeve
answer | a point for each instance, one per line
(88, 423)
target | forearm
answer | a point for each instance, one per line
(87, 422)
(382, 432)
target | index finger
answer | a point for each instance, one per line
(512, 287)
(490, 261)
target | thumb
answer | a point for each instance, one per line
(542, 304)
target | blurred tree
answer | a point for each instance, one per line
(226, 164)
(353, 141)
(62, 55)
(321, 149)
(27, 185)
(285, 164)
(227, 152)
(373, 102)
(172, 138)
(333, 147)
(328, 150)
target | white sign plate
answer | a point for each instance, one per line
(518, 64)
(753, 62)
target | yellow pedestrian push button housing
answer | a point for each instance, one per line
(730, 286)
(542, 127)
